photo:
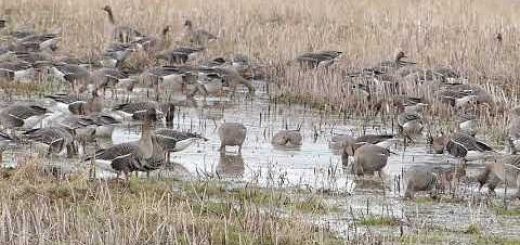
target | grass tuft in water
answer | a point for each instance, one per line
(379, 221)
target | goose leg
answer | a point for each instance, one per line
(169, 160)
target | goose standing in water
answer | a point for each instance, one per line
(504, 170)
(232, 134)
(370, 158)
(431, 179)
(144, 155)
(112, 78)
(350, 145)
(291, 138)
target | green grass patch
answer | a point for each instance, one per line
(379, 221)
(481, 240)
(513, 212)
(425, 238)
(473, 229)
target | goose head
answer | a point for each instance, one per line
(400, 55)
(107, 9)
(188, 24)
(165, 30)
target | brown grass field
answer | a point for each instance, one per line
(456, 34)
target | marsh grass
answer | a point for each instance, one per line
(460, 35)
(38, 208)
(379, 221)
(512, 211)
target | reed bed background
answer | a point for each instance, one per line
(456, 34)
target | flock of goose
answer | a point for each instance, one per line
(72, 121)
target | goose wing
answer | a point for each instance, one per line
(374, 139)
(118, 150)
(134, 107)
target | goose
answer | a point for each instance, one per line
(350, 145)
(412, 106)
(68, 104)
(22, 116)
(339, 141)
(248, 70)
(467, 123)
(215, 62)
(57, 139)
(197, 37)
(179, 55)
(458, 144)
(233, 79)
(116, 54)
(105, 124)
(232, 134)
(173, 141)
(506, 169)
(370, 158)
(384, 67)
(287, 138)
(144, 155)
(137, 110)
(37, 42)
(112, 78)
(95, 125)
(78, 76)
(410, 124)
(122, 34)
(6, 54)
(431, 179)
(322, 58)
(166, 77)
(462, 95)
(17, 71)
